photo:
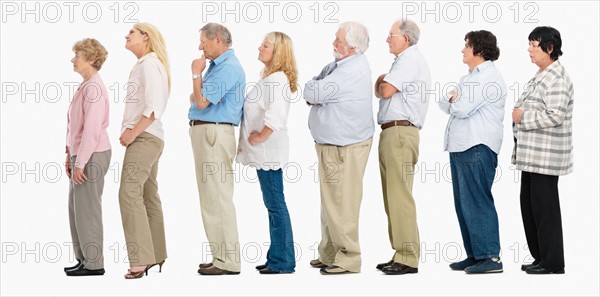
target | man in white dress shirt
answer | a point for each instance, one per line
(402, 108)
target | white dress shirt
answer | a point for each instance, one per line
(410, 75)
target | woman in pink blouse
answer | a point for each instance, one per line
(88, 157)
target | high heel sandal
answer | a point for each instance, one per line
(139, 274)
(159, 266)
(136, 274)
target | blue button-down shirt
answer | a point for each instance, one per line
(477, 113)
(223, 85)
(342, 108)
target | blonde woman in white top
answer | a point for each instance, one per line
(143, 136)
(264, 143)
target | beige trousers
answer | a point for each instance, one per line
(341, 171)
(85, 211)
(214, 149)
(398, 154)
(141, 209)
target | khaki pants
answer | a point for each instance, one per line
(341, 171)
(398, 154)
(85, 211)
(141, 209)
(214, 149)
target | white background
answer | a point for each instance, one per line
(35, 230)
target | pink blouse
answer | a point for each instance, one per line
(87, 121)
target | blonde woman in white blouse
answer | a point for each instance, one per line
(264, 143)
(143, 136)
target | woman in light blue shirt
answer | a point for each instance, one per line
(473, 139)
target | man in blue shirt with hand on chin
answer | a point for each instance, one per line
(216, 106)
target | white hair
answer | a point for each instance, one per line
(411, 29)
(357, 36)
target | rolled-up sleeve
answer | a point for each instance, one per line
(402, 75)
(152, 77)
(276, 102)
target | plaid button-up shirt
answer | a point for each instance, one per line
(544, 138)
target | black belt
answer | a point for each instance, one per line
(198, 122)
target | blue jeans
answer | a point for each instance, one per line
(473, 174)
(280, 256)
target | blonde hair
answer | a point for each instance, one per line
(91, 50)
(283, 58)
(156, 44)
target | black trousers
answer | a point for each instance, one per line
(540, 210)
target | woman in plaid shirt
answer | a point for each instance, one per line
(544, 150)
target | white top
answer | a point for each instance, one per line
(267, 104)
(147, 92)
(410, 75)
(477, 113)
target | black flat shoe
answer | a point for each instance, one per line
(380, 266)
(261, 267)
(399, 269)
(270, 271)
(542, 270)
(81, 271)
(524, 267)
(74, 266)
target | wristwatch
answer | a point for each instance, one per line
(194, 75)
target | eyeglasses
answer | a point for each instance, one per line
(390, 36)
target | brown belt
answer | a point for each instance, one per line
(198, 122)
(396, 123)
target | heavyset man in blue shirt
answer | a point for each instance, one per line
(216, 106)
(341, 123)
(473, 138)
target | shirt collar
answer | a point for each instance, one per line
(409, 49)
(344, 61)
(482, 67)
(222, 57)
(142, 59)
(540, 75)
(552, 66)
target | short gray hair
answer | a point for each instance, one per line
(411, 29)
(357, 36)
(213, 30)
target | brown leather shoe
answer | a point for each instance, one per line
(399, 268)
(214, 270)
(317, 264)
(380, 266)
(205, 265)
